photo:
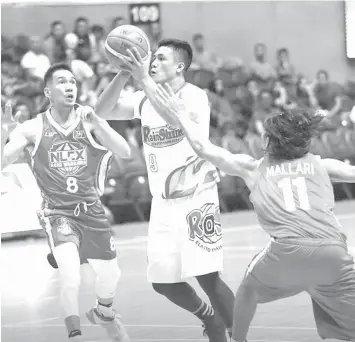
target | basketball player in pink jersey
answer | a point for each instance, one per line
(185, 238)
(70, 149)
(293, 197)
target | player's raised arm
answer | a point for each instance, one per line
(140, 71)
(19, 138)
(339, 171)
(107, 136)
(110, 106)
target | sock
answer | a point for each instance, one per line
(204, 311)
(104, 306)
(73, 325)
(220, 296)
(182, 295)
(244, 310)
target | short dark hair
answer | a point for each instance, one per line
(52, 69)
(324, 72)
(97, 28)
(56, 22)
(290, 132)
(282, 50)
(182, 47)
(81, 19)
(197, 36)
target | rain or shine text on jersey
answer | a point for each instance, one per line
(69, 165)
(174, 169)
(295, 199)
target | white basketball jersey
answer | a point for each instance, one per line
(174, 169)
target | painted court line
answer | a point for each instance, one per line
(226, 230)
(179, 339)
(29, 324)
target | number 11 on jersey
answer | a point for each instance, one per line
(287, 185)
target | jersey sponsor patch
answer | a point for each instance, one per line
(163, 136)
(205, 227)
(63, 226)
(50, 134)
(67, 157)
(79, 134)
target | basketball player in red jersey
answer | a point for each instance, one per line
(70, 148)
(293, 197)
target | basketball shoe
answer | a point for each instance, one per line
(113, 325)
(214, 329)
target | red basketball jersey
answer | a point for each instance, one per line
(69, 165)
(295, 199)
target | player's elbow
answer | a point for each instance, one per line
(124, 150)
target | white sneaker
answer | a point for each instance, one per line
(113, 325)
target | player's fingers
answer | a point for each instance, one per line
(169, 89)
(16, 117)
(126, 62)
(133, 57)
(8, 110)
(162, 93)
(137, 55)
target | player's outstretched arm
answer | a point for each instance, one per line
(109, 105)
(106, 135)
(339, 171)
(232, 164)
(19, 140)
(19, 137)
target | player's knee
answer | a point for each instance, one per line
(208, 282)
(163, 289)
(67, 258)
(106, 270)
(248, 291)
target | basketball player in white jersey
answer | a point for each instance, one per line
(70, 148)
(185, 238)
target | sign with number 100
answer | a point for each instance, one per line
(144, 13)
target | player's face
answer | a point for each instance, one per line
(164, 66)
(63, 89)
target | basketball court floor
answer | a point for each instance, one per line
(30, 309)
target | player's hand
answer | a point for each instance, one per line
(8, 121)
(89, 115)
(138, 66)
(169, 101)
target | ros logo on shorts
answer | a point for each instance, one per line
(63, 226)
(205, 224)
(67, 157)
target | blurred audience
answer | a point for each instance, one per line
(260, 69)
(54, 43)
(202, 57)
(240, 97)
(35, 61)
(86, 46)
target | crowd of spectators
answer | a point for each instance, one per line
(241, 93)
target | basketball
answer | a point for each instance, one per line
(125, 37)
